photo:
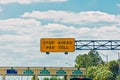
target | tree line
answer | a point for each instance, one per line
(96, 68)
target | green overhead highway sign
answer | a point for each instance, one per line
(45, 72)
(61, 72)
(28, 72)
(77, 72)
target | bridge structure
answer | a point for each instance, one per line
(97, 44)
(67, 72)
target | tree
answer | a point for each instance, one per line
(53, 78)
(99, 73)
(88, 60)
(95, 58)
(118, 77)
(114, 67)
(81, 61)
(103, 73)
(91, 71)
(34, 78)
(46, 78)
(119, 66)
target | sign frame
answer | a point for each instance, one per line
(57, 44)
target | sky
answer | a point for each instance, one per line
(24, 22)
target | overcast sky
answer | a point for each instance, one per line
(24, 22)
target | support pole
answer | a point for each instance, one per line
(3, 77)
(106, 58)
(67, 77)
(35, 77)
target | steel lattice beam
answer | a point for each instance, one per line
(97, 45)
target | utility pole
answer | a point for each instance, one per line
(106, 58)
(118, 55)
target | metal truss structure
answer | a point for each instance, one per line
(97, 45)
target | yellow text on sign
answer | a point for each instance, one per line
(57, 45)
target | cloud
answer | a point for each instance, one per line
(19, 38)
(28, 1)
(118, 5)
(103, 32)
(74, 18)
(18, 26)
(1, 9)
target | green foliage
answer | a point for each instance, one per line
(118, 77)
(96, 68)
(33, 78)
(87, 60)
(91, 71)
(114, 67)
(102, 73)
(99, 73)
(95, 58)
(81, 61)
(118, 61)
(53, 78)
(46, 78)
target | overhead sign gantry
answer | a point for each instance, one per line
(70, 45)
(97, 45)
